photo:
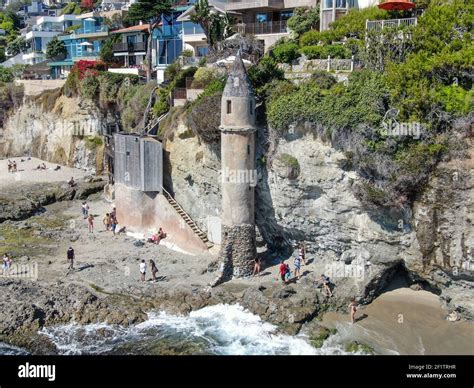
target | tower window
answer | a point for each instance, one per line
(248, 149)
(251, 107)
(229, 107)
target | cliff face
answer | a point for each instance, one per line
(66, 133)
(304, 194)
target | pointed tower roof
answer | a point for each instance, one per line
(238, 83)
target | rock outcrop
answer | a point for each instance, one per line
(68, 133)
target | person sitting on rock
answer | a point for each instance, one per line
(161, 235)
(14, 167)
(71, 182)
(57, 168)
(10, 165)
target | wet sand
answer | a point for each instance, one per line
(404, 321)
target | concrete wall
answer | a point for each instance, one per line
(238, 172)
(146, 212)
(35, 87)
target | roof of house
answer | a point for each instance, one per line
(140, 27)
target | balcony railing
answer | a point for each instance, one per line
(87, 54)
(263, 28)
(377, 25)
(130, 47)
(230, 5)
(91, 30)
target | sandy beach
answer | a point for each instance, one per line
(28, 174)
(404, 321)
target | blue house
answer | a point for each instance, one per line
(173, 36)
(82, 44)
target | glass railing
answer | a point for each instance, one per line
(91, 30)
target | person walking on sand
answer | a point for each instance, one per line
(142, 270)
(353, 310)
(285, 272)
(302, 253)
(85, 209)
(90, 223)
(153, 270)
(70, 257)
(257, 267)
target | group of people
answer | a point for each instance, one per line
(7, 263)
(157, 237)
(110, 221)
(285, 270)
(12, 167)
(143, 268)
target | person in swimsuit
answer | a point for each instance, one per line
(353, 310)
(90, 223)
(257, 267)
(302, 253)
(153, 269)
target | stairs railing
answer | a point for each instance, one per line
(186, 218)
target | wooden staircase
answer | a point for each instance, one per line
(187, 219)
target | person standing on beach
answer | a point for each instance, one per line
(297, 264)
(353, 310)
(70, 257)
(7, 262)
(257, 267)
(106, 221)
(113, 222)
(142, 270)
(85, 209)
(302, 253)
(285, 272)
(90, 223)
(153, 269)
(326, 285)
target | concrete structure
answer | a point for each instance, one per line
(141, 202)
(238, 249)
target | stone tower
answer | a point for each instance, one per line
(239, 176)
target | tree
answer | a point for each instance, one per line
(150, 11)
(304, 19)
(55, 48)
(17, 46)
(216, 26)
(107, 49)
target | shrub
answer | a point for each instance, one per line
(336, 51)
(263, 73)
(286, 52)
(205, 75)
(90, 86)
(187, 53)
(310, 38)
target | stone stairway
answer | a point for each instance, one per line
(187, 219)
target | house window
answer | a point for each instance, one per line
(285, 15)
(229, 107)
(263, 17)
